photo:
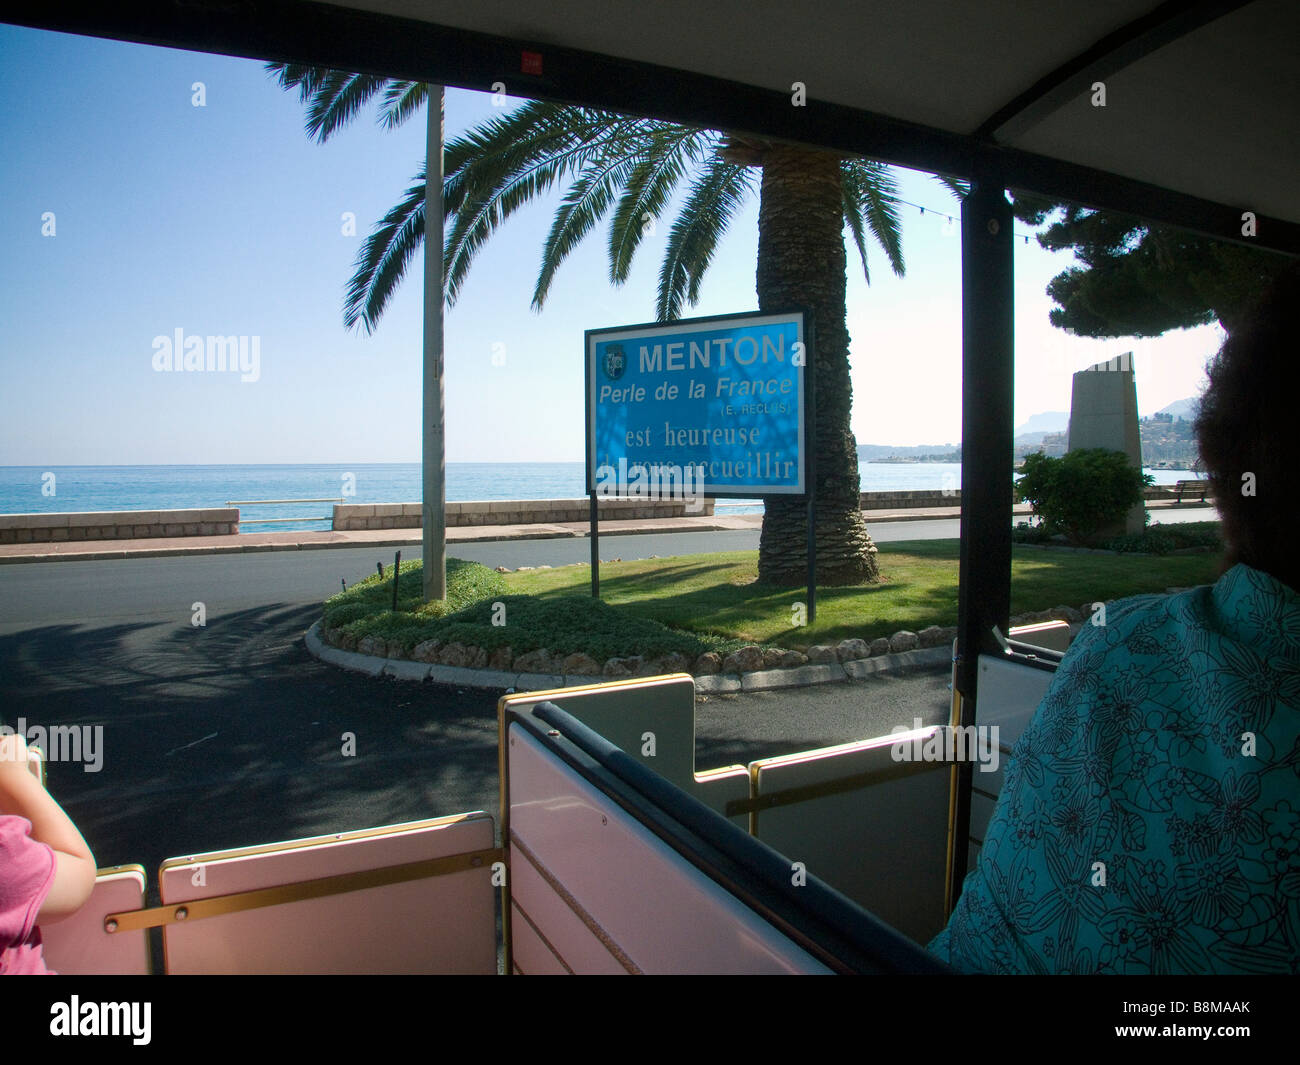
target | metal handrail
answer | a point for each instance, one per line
(272, 521)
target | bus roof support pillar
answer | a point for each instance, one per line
(988, 392)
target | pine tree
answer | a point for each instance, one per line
(1140, 279)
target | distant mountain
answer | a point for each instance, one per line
(1051, 421)
(1052, 444)
(1183, 408)
(876, 452)
(1043, 431)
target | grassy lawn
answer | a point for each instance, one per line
(719, 593)
(693, 603)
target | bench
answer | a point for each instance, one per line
(1198, 488)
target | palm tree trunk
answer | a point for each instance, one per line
(801, 262)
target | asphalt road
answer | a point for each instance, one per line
(231, 734)
(166, 588)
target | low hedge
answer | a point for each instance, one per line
(1155, 539)
(476, 598)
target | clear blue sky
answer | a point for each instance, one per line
(225, 219)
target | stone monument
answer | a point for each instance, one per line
(1103, 413)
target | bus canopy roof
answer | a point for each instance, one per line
(1197, 124)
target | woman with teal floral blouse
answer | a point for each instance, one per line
(1150, 817)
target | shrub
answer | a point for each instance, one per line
(1025, 533)
(1162, 539)
(565, 624)
(1083, 493)
(469, 615)
(467, 582)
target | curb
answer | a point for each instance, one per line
(172, 552)
(716, 684)
(404, 538)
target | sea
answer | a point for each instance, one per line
(291, 497)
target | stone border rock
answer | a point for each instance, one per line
(750, 668)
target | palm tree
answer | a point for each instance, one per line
(633, 166)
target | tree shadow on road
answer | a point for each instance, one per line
(231, 734)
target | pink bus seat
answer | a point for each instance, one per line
(81, 946)
(1008, 695)
(593, 891)
(438, 924)
(873, 827)
(652, 719)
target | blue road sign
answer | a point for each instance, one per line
(716, 402)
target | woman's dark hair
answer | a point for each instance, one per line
(1248, 430)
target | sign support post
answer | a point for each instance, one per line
(812, 558)
(810, 416)
(594, 533)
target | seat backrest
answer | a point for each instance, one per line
(651, 719)
(869, 819)
(1009, 694)
(439, 924)
(594, 892)
(81, 946)
(615, 870)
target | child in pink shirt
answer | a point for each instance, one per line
(46, 870)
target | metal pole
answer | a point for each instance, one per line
(812, 558)
(595, 548)
(397, 571)
(434, 444)
(810, 446)
(988, 392)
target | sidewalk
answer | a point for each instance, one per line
(93, 550)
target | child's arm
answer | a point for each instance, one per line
(22, 795)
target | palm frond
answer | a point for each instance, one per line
(852, 202)
(302, 76)
(338, 101)
(631, 164)
(401, 100)
(481, 158)
(586, 203)
(493, 171)
(385, 258)
(877, 192)
(649, 187)
(333, 97)
(710, 205)
(959, 187)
